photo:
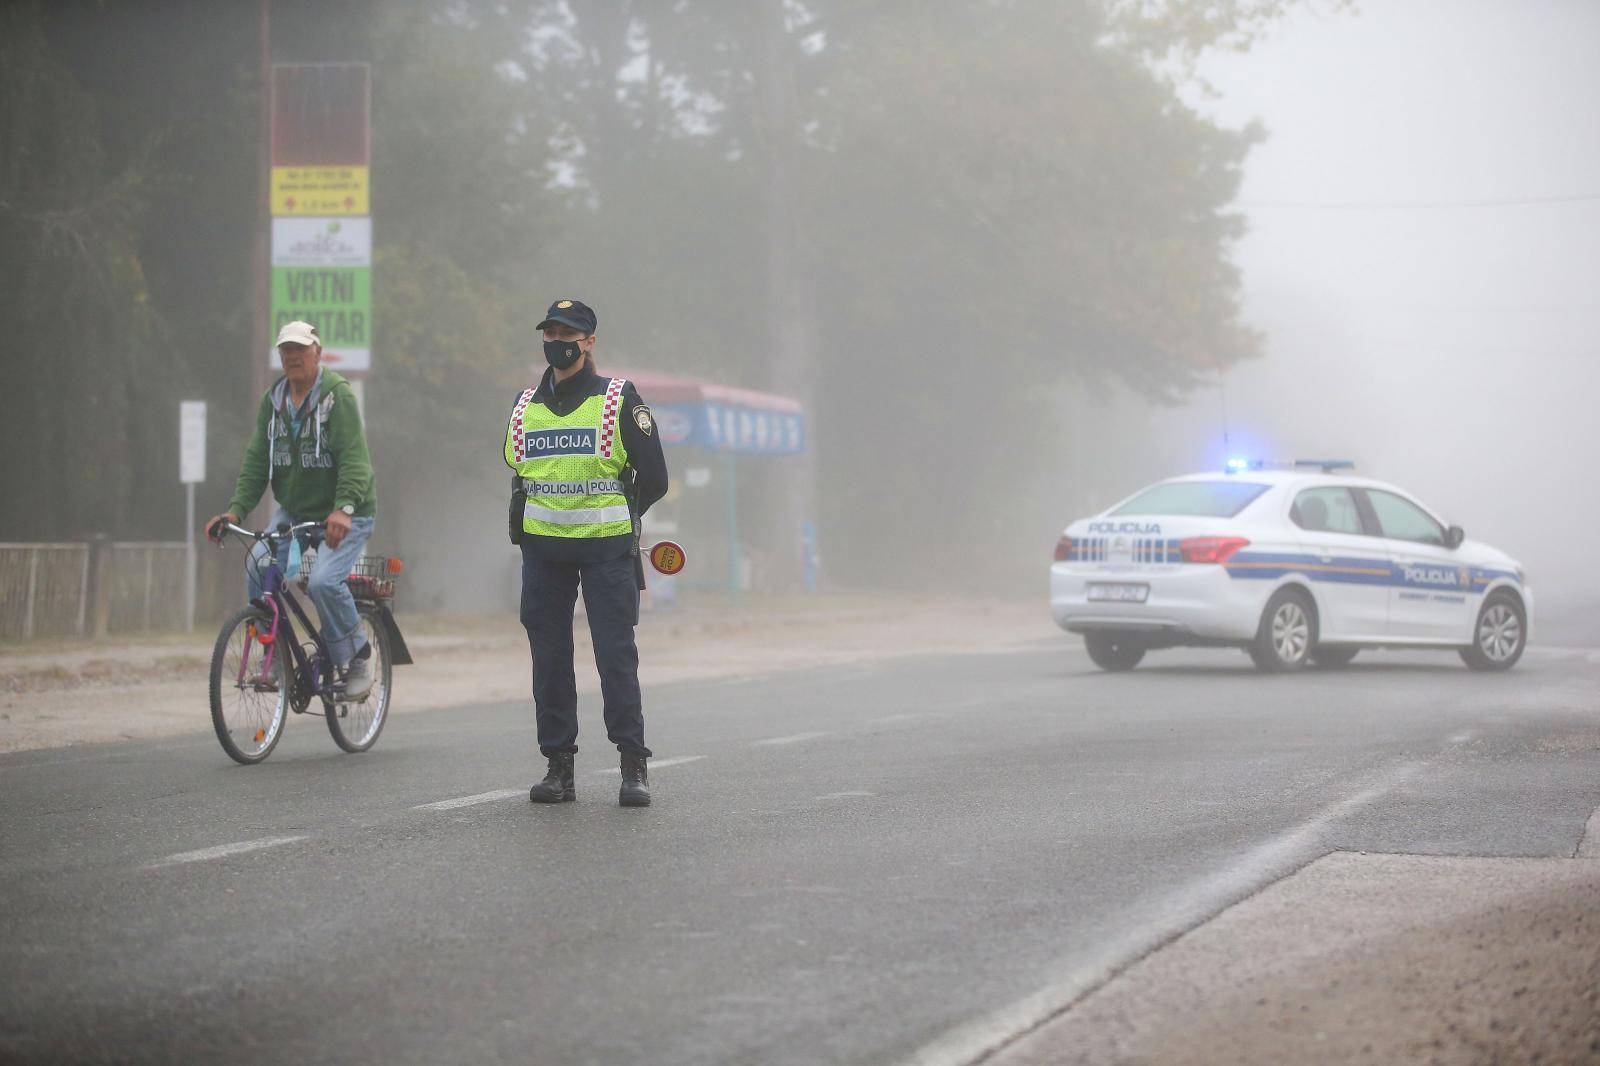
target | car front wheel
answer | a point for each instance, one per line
(1500, 635)
(1287, 633)
(1113, 653)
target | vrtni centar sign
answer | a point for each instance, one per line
(337, 300)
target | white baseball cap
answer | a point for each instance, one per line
(299, 333)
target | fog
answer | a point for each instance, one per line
(1015, 259)
(1424, 261)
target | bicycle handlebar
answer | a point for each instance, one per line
(269, 534)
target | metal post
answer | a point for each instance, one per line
(100, 581)
(83, 590)
(33, 585)
(188, 561)
(259, 370)
(149, 581)
(731, 498)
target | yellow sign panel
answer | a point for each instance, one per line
(319, 191)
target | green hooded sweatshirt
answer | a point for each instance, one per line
(323, 467)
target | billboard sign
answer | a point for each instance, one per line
(319, 191)
(336, 300)
(322, 242)
(322, 225)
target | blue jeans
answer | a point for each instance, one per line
(336, 608)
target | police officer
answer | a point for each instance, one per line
(588, 465)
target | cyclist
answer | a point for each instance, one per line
(310, 446)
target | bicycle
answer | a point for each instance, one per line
(261, 671)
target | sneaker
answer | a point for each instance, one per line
(358, 678)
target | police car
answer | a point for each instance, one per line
(1304, 562)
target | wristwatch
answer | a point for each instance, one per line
(349, 510)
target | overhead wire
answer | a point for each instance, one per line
(1415, 205)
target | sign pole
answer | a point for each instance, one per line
(191, 471)
(188, 560)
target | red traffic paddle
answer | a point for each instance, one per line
(667, 557)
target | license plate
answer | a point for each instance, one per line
(1119, 593)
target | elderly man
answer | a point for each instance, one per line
(309, 446)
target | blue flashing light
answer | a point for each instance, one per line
(1236, 464)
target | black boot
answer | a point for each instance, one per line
(557, 785)
(635, 782)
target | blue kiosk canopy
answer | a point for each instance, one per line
(720, 418)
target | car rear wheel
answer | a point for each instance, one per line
(1287, 633)
(1500, 635)
(1113, 652)
(1333, 656)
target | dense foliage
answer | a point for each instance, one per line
(910, 213)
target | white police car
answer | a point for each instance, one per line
(1302, 563)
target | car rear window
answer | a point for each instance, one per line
(1211, 499)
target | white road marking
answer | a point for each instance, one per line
(895, 718)
(223, 850)
(657, 764)
(1589, 846)
(1461, 738)
(793, 738)
(468, 801)
(847, 795)
(1150, 928)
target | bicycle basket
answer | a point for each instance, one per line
(371, 576)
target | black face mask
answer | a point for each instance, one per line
(562, 354)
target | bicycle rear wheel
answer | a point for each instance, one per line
(355, 725)
(248, 703)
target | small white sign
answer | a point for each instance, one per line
(698, 477)
(191, 441)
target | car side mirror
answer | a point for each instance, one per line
(1453, 537)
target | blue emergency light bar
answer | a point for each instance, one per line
(1327, 466)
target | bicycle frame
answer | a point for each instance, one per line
(274, 599)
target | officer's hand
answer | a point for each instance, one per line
(214, 525)
(338, 527)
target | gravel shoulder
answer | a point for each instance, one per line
(1362, 958)
(57, 694)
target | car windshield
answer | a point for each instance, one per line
(1212, 499)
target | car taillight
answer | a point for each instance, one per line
(1210, 549)
(1063, 548)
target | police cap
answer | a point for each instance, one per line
(572, 313)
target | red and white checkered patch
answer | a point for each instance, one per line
(519, 440)
(608, 415)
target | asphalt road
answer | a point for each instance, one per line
(856, 865)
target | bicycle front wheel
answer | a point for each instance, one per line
(355, 724)
(249, 688)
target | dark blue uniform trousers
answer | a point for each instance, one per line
(611, 598)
